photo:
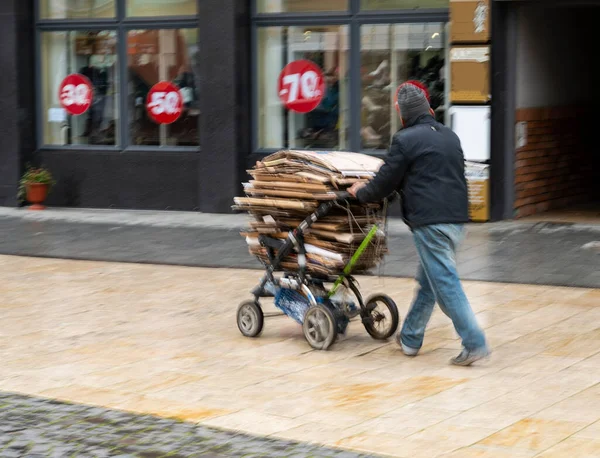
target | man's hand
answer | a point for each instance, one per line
(353, 190)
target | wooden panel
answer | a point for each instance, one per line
(470, 21)
(470, 69)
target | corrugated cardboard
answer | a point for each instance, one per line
(470, 21)
(478, 180)
(470, 70)
(289, 185)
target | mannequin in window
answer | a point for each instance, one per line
(322, 122)
(186, 82)
(381, 75)
(107, 126)
(99, 79)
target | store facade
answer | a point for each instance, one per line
(226, 58)
(113, 153)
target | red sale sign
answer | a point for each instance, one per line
(164, 103)
(75, 94)
(301, 86)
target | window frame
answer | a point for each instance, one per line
(121, 24)
(354, 18)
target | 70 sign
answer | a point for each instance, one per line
(301, 86)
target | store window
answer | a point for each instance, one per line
(77, 9)
(97, 92)
(163, 55)
(382, 5)
(325, 127)
(391, 55)
(300, 6)
(145, 8)
(92, 56)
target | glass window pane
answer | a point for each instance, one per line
(91, 55)
(300, 6)
(77, 9)
(144, 8)
(390, 56)
(325, 127)
(402, 4)
(163, 55)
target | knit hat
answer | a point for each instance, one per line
(420, 86)
(411, 101)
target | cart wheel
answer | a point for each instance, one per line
(320, 327)
(382, 317)
(250, 319)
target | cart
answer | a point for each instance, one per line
(322, 304)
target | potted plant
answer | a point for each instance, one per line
(35, 185)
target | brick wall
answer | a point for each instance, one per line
(554, 169)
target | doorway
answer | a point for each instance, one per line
(557, 168)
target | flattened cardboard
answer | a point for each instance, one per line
(287, 186)
(478, 181)
(470, 21)
(470, 69)
(479, 202)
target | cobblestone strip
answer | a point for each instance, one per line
(35, 428)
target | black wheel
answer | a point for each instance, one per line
(320, 327)
(381, 317)
(250, 319)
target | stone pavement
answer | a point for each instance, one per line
(533, 253)
(41, 428)
(162, 341)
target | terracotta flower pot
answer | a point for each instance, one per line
(36, 195)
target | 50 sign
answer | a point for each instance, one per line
(75, 94)
(164, 103)
(301, 86)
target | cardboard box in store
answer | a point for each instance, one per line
(478, 180)
(470, 21)
(470, 74)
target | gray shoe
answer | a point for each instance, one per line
(468, 357)
(406, 350)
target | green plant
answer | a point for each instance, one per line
(38, 175)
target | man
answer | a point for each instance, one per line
(426, 165)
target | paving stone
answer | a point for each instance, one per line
(502, 252)
(35, 439)
(7, 453)
(113, 334)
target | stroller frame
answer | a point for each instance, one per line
(320, 324)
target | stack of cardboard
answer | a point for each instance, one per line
(289, 185)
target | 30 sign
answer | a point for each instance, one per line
(75, 94)
(164, 103)
(301, 86)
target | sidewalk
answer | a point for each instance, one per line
(190, 220)
(532, 253)
(162, 340)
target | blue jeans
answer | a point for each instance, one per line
(438, 281)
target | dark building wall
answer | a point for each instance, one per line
(206, 180)
(130, 180)
(225, 96)
(17, 115)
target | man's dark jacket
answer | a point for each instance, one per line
(426, 166)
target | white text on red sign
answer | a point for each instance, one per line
(305, 84)
(75, 95)
(165, 103)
